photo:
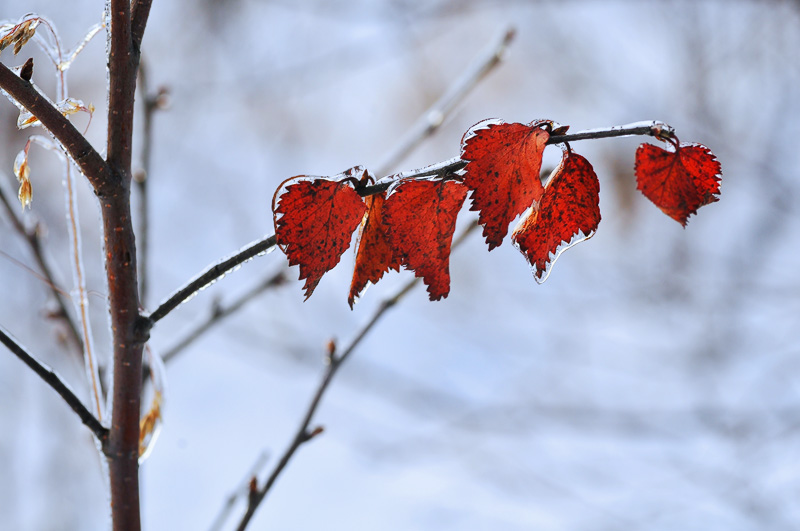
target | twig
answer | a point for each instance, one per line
(335, 361)
(450, 167)
(219, 312)
(53, 380)
(434, 117)
(445, 169)
(210, 275)
(35, 243)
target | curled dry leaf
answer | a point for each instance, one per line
(374, 255)
(421, 216)
(568, 213)
(504, 161)
(315, 218)
(680, 181)
(18, 34)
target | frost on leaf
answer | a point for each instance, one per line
(23, 172)
(680, 181)
(504, 161)
(315, 218)
(420, 216)
(568, 213)
(374, 255)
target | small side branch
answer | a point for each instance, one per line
(210, 275)
(334, 362)
(53, 380)
(450, 167)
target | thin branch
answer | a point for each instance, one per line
(335, 361)
(210, 275)
(35, 243)
(450, 167)
(430, 121)
(83, 154)
(220, 312)
(53, 380)
(445, 169)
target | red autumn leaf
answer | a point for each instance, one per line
(679, 182)
(504, 161)
(374, 256)
(420, 217)
(568, 213)
(317, 219)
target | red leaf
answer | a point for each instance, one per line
(503, 172)
(680, 181)
(374, 256)
(568, 213)
(420, 218)
(316, 223)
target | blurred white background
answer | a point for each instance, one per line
(653, 382)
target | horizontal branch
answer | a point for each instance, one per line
(74, 143)
(450, 166)
(441, 170)
(53, 380)
(209, 276)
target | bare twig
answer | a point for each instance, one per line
(53, 380)
(335, 361)
(210, 275)
(35, 243)
(430, 121)
(220, 312)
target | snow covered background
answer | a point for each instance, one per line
(653, 382)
